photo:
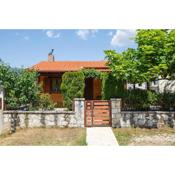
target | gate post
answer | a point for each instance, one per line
(79, 111)
(1, 122)
(116, 112)
(1, 98)
(1, 109)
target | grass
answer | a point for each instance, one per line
(124, 135)
(45, 137)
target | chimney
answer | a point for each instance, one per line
(51, 56)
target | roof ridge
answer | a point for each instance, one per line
(76, 61)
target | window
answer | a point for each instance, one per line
(55, 85)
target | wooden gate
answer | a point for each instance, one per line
(97, 113)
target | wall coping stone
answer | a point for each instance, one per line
(79, 99)
(115, 99)
(150, 112)
(38, 112)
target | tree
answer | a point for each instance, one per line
(125, 65)
(20, 85)
(170, 53)
(153, 58)
(26, 87)
(151, 53)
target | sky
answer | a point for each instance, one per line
(24, 48)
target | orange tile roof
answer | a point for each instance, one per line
(65, 66)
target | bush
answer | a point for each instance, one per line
(139, 99)
(72, 86)
(20, 86)
(166, 101)
(44, 102)
(111, 87)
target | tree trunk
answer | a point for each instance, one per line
(148, 85)
(134, 86)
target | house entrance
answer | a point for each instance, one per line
(97, 113)
(92, 89)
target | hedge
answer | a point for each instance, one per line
(72, 86)
(137, 99)
(111, 87)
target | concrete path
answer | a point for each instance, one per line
(100, 136)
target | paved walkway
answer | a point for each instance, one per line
(100, 136)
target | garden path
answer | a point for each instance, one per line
(100, 136)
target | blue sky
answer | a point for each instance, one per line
(28, 47)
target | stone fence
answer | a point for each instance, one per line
(12, 120)
(142, 119)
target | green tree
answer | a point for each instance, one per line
(20, 85)
(151, 53)
(125, 65)
(153, 58)
(170, 53)
(26, 87)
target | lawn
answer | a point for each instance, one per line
(45, 137)
(145, 137)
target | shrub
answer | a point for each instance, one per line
(72, 86)
(20, 86)
(111, 87)
(139, 99)
(43, 102)
(166, 100)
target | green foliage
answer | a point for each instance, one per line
(151, 52)
(45, 102)
(91, 73)
(111, 87)
(154, 57)
(125, 66)
(166, 100)
(139, 99)
(72, 86)
(26, 87)
(20, 85)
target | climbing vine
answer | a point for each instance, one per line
(91, 73)
(111, 87)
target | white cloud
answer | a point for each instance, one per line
(52, 34)
(123, 38)
(85, 34)
(26, 37)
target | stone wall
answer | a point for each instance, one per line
(147, 119)
(142, 119)
(30, 119)
(12, 120)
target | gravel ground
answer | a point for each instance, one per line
(155, 140)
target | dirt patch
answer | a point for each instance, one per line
(46, 136)
(145, 137)
(156, 140)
